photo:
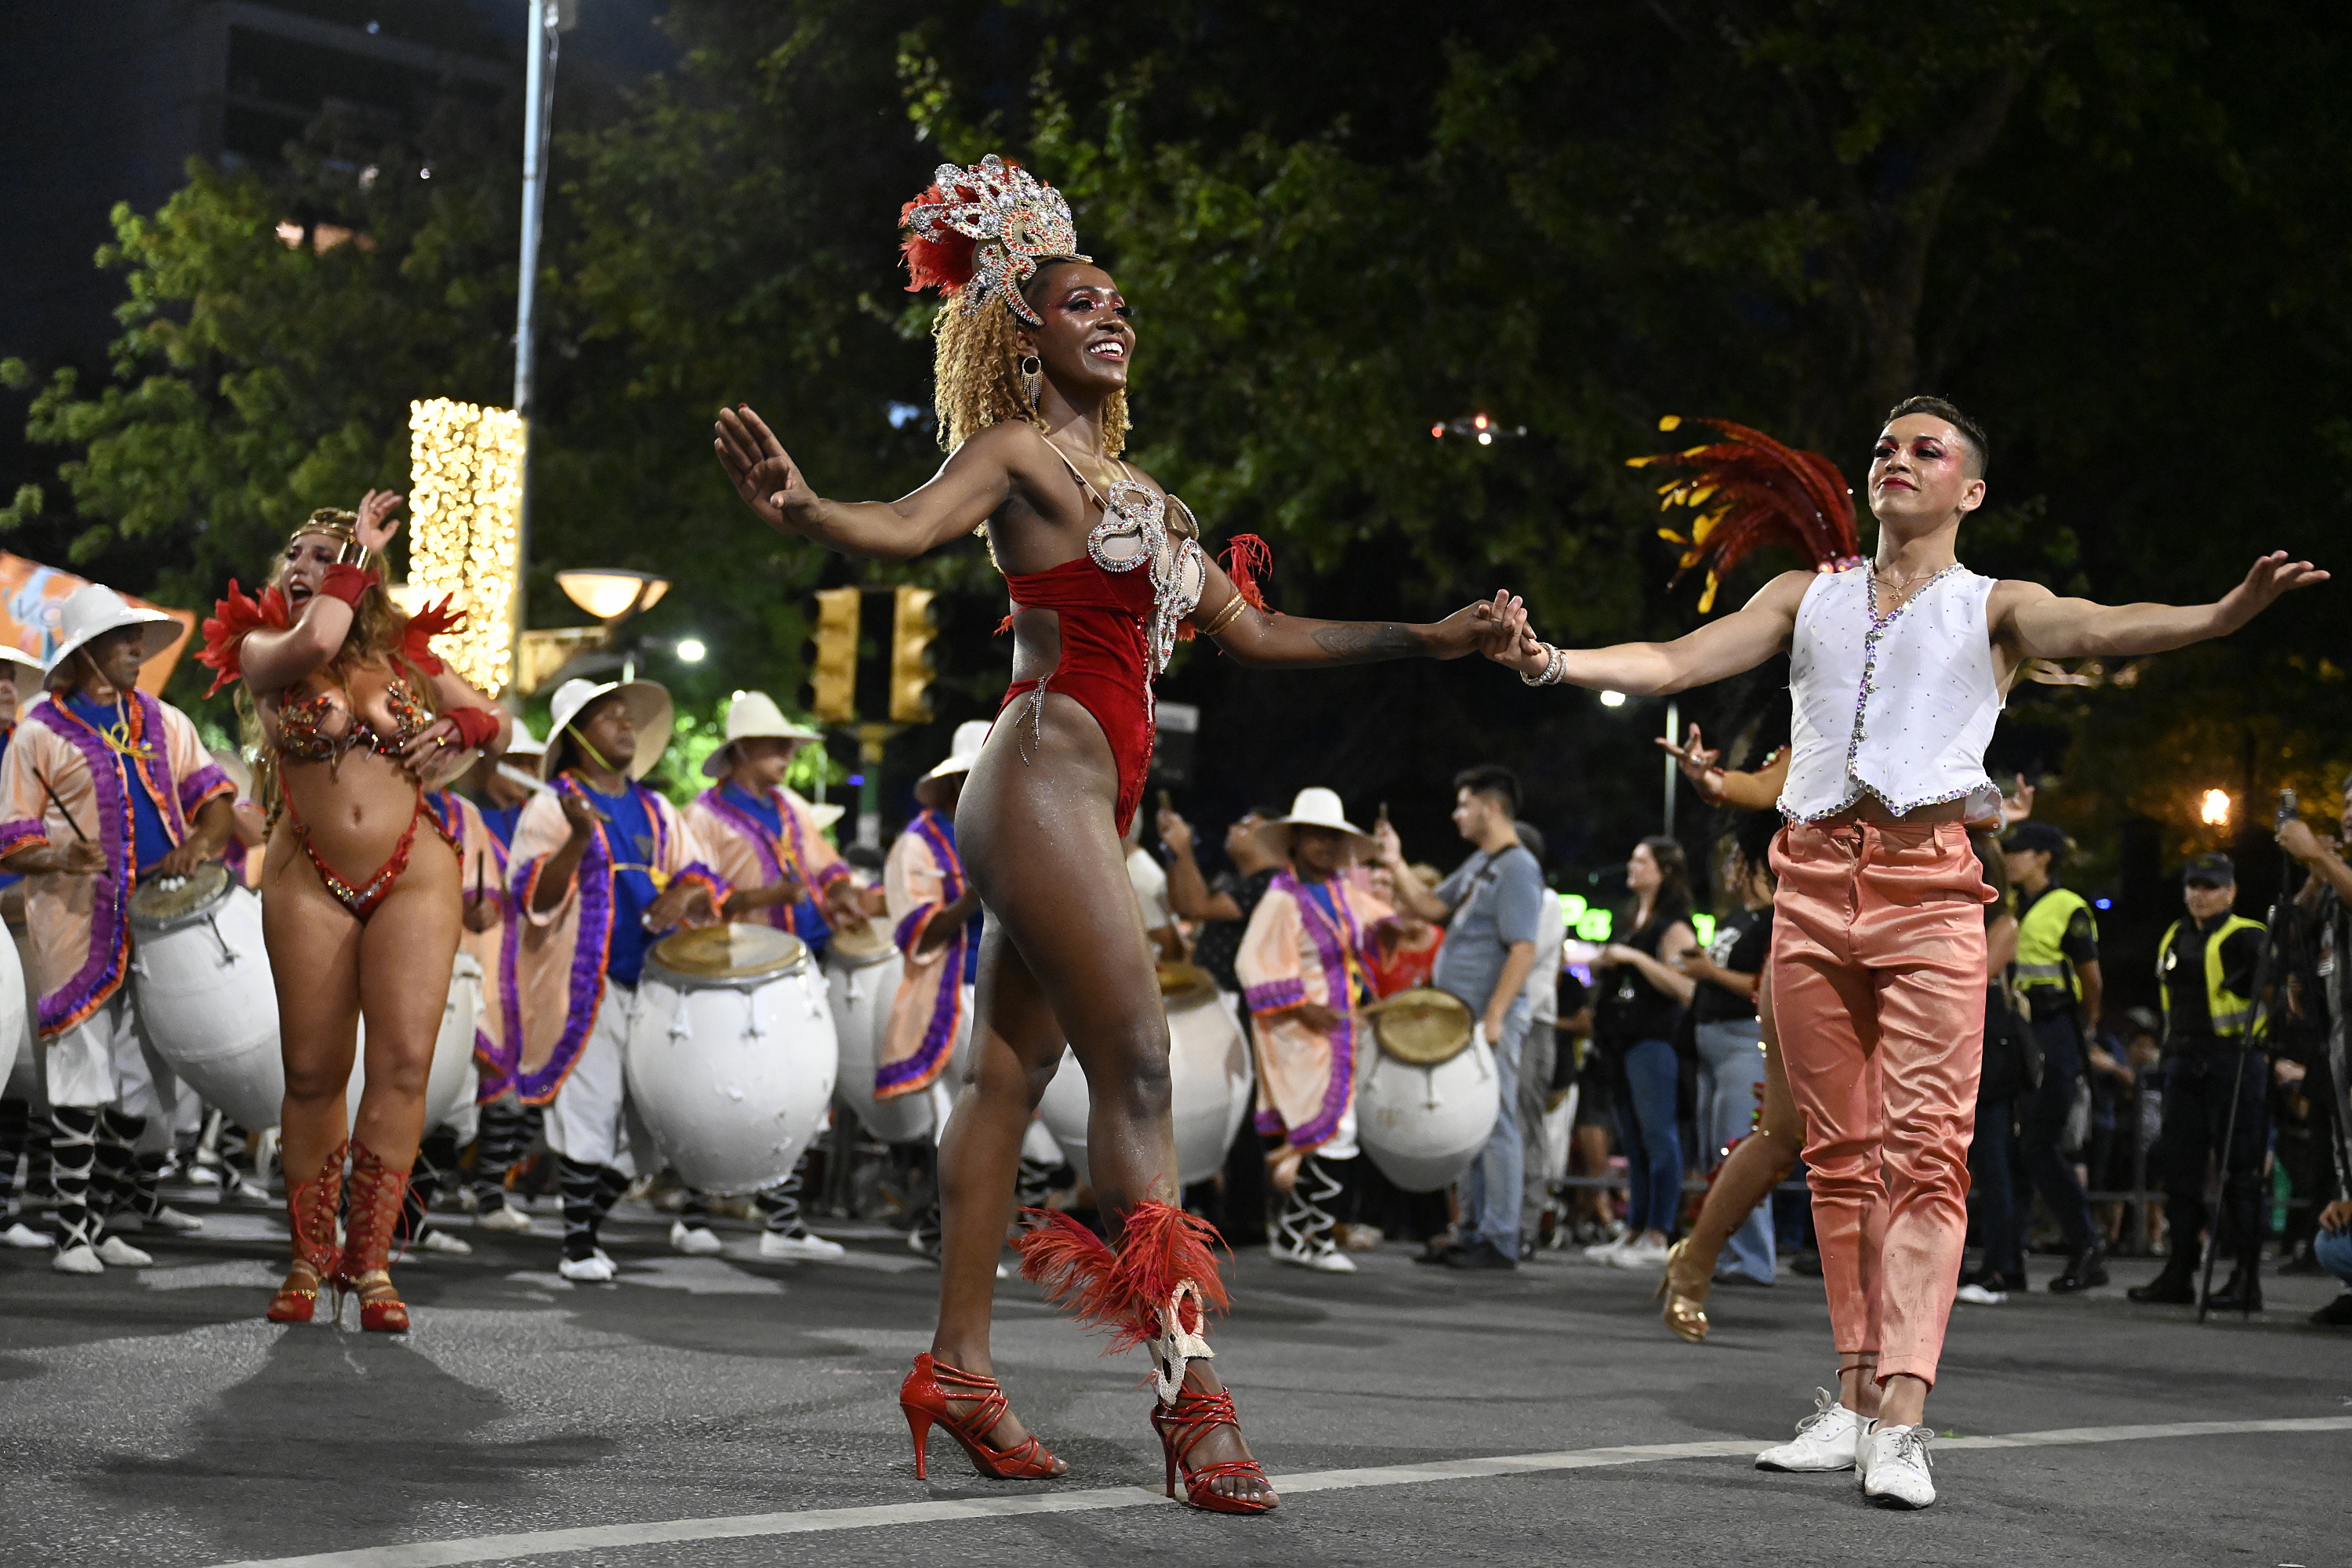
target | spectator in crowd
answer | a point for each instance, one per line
(1220, 910)
(1996, 1174)
(1538, 1055)
(2057, 969)
(1492, 910)
(1644, 989)
(1729, 1034)
(2205, 966)
(1150, 884)
(2327, 893)
(1403, 950)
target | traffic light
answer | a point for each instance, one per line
(833, 678)
(912, 632)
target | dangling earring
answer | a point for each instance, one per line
(1032, 379)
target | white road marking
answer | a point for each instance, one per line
(816, 1520)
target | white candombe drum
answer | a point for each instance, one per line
(449, 1084)
(731, 1054)
(15, 1022)
(862, 972)
(201, 976)
(1209, 1072)
(1426, 1097)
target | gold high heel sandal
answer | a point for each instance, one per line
(1685, 1311)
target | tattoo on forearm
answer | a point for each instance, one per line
(1369, 640)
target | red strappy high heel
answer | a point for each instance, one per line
(1182, 1425)
(310, 1209)
(924, 1397)
(375, 1201)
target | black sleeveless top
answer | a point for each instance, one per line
(1632, 1009)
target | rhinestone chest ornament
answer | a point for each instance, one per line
(1134, 532)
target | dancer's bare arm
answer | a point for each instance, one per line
(966, 491)
(1725, 647)
(270, 661)
(2032, 622)
(1262, 640)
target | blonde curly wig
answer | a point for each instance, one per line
(976, 377)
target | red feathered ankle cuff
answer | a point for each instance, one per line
(1155, 1289)
(475, 727)
(347, 583)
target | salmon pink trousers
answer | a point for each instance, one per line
(1878, 992)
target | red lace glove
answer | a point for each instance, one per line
(347, 583)
(476, 727)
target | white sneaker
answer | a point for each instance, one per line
(1826, 1440)
(506, 1216)
(1601, 1252)
(694, 1240)
(1891, 1464)
(804, 1249)
(438, 1240)
(83, 1259)
(1976, 1295)
(121, 1254)
(166, 1217)
(19, 1234)
(204, 1176)
(596, 1270)
(1321, 1261)
(1639, 1255)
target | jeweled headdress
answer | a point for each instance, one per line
(1749, 490)
(979, 233)
(332, 521)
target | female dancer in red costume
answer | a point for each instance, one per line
(1105, 568)
(361, 897)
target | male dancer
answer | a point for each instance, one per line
(1303, 976)
(482, 867)
(103, 787)
(504, 1126)
(601, 866)
(1897, 668)
(765, 841)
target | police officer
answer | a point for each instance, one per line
(2057, 972)
(2205, 968)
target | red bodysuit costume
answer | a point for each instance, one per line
(1118, 623)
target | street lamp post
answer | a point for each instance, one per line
(548, 19)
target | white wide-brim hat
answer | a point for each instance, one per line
(649, 707)
(755, 716)
(1315, 807)
(9, 655)
(93, 610)
(964, 753)
(522, 742)
(825, 813)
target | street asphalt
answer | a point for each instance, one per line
(153, 1418)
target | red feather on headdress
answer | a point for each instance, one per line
(416, 637)
(226, 628)
(942, 261)
(1749, 491)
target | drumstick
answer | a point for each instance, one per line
(64, 813)
(513, 774)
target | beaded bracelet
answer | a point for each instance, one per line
(1552, 673)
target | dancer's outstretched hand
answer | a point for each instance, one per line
(1517, 647)
(2271, 577)
(762, 472)
(1472, 629)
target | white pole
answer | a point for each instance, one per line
(1674, 737)
(539, 89)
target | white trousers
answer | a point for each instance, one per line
(106, 1061)
(587, 1120)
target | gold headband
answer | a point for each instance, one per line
(332, 521)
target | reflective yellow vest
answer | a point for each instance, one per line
(2231, 1011)
(2041, 960)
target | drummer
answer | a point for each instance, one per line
(782, 871)
(1303, 972)
(24, 1108)
(601, 866)
(504, 1126)
(102, 787)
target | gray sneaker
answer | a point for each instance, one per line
(1825, 1440)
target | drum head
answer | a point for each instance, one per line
(1183, 985)
(171, 902)
(858, 946)
(1423, 1028)
(729, 954)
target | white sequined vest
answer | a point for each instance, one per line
(1900, 708)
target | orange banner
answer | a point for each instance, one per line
(31, 596)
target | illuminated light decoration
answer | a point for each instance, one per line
(1485, 427)
(465, 490)
(1612, 699)
(2214, 809)
(691, 649)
